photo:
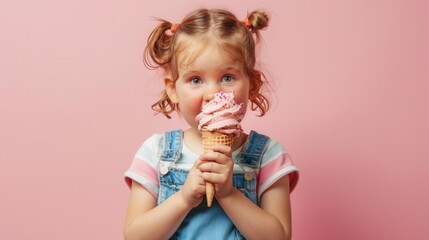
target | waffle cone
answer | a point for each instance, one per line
(211, 139)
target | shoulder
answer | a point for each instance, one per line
(274, 152)
(275, 147)
(272, 146)
(154, 139)
(150, 145)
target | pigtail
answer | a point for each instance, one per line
(164, 105)
(159, 46)
(158, 53)
(256, 21)
(259, 101)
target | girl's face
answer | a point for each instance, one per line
(213, 70)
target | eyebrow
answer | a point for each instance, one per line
(190, 70)
(190, 73)
(232, 68)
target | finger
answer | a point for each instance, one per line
(215, 157)
(226, 150)
(197, 163)
(215, 178)
(208, 167)
(202, 188)
(215, 168)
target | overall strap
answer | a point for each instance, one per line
(171, 146)
(253, 150)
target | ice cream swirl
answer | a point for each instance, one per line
(221, 114)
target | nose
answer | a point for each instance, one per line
(209, 92)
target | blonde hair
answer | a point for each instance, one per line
(164, 47)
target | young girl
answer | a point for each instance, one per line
(208, 52)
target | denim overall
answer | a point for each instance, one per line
(203, 222)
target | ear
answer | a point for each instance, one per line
(170, 88)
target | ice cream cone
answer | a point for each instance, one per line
(219, 122)
(211, 139)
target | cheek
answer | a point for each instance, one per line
(189, 109)
(190, 105)
(246, 106)
(243, 98)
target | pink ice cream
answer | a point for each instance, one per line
(222, 114)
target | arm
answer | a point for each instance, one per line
(147, 220)
(272, 219)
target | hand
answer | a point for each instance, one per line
(217, 168)
(194, 187)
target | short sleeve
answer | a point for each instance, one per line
(144, 167)
(276, 163)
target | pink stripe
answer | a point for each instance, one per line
(143, 169)
(273, 166)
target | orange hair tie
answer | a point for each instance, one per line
(174, 27)
(247, 23)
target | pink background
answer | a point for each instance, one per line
(350, 87)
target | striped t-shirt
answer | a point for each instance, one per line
(276, 163)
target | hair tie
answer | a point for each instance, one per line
(247, 23)
(174, 27)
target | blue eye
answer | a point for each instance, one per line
(196, 80)
(227, 78)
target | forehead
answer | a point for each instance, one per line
(191, 48)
